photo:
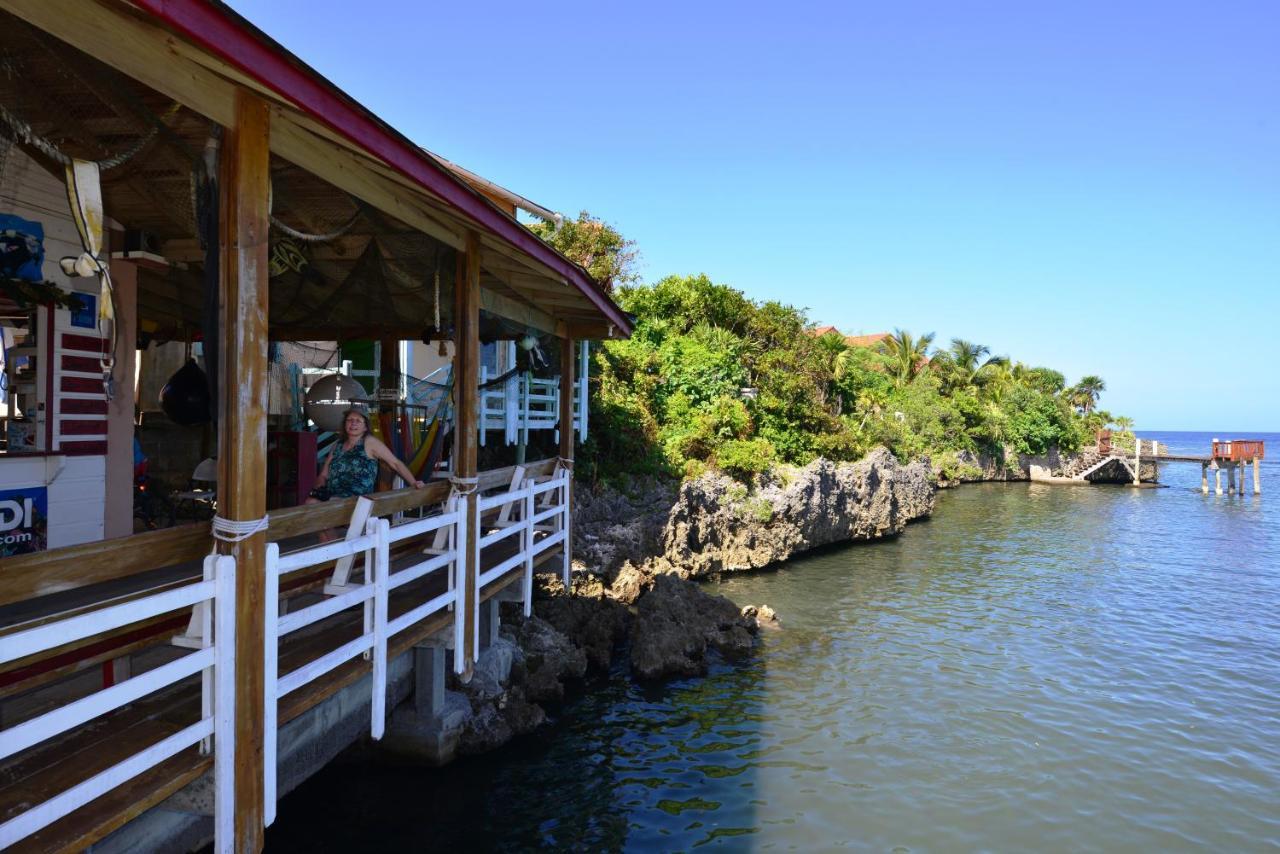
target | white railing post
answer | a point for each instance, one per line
(457, 583)
(270, 682)
(564, 526)
(583, 368)
(380, 528)
(473, 594)
(526, 546)
(202, 614)
(224, 704)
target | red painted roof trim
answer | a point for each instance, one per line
(225, 34)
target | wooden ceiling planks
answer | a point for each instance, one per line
(160, 70)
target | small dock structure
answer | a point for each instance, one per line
(1231, 455)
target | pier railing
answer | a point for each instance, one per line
(214, 731)
(1238, 450)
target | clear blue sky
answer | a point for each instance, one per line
(1094, 187)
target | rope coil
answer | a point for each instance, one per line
(236, 531)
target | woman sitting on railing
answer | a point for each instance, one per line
(351, 469)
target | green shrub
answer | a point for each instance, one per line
(743, 459)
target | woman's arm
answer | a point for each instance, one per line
(378, 449)
(323, 477)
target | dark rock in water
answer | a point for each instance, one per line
(718, 525)
(550, 659)
(676, 622)
(594, 622)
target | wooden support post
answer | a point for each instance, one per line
(242, 436)
(1204, 478)
(1240, 485)
(1257, 478)
(1231, 478)
(566, 438)
(466, 313)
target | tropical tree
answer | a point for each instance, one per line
(594, 245)
(969, 363)
(1086, 393)
(909, 355)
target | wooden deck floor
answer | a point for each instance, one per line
(52, 767)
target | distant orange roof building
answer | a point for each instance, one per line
(851, 340)
(865, 340)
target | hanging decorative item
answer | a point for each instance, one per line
(185, 397)
(84, 191)
(285, 257)
(329, 397)
(436, 332)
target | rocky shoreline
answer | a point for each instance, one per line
(639, 554)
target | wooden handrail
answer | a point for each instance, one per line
(1239, 449)
(57, 570)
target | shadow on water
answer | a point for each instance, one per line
(677, 755)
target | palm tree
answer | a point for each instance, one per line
(1085, 394)
(972, 361)
(910, 355)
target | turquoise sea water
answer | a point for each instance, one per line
(1034, 668)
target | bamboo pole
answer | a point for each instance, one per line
(242, 494)
(466, 379)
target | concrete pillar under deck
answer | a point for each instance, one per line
(1217, 480)
(1257, 478)
(428, 680)
(490, 621)
(1231, 478)
(1204, 478)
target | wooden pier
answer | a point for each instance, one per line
(1231, 456)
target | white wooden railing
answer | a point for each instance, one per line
(215, 732)
(373, 595)
(543, 509)
(525, 403)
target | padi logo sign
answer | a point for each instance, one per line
(24, 520)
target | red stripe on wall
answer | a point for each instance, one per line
(82, 428)
(83, 449)
(82, 384)
(75, 406)
(85, 343)
(83, 364)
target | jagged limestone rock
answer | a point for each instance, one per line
(717, 525)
